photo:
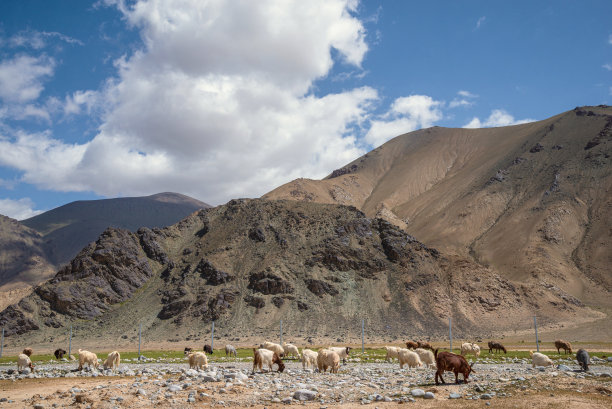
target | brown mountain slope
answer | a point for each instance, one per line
(531, 201)
(248, 264)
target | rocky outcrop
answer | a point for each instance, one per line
(268, 283)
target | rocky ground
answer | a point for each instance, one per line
(228, 383)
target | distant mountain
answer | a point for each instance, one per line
(533, 202)
(32, 250)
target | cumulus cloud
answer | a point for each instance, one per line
(217, 104)
(22, 77)
(406, 114)
(498, 117)
(18, 209)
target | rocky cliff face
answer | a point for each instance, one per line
(247, 264)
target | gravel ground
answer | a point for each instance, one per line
(231, 384)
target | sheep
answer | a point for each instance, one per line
(497, 346)
(538, 359)
(271, 346)
(197, 360)
(343, 352)
(326, 358)
(564, 345)
(231, 350)
(427, 357)
(392, 352)
(86, 357)
(582, 356)
(23, 362)
(447, 361)
(411, 345)
(28, 351)
(424, 345)
(112, 360)
(292, 350)
(263, 357)
(309, 358)
(59, 353)
(187, 351)
(409, 357)
(469, 348)
(208, 349)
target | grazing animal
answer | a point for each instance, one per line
(231, 350)
(28, 351)
(271, 346)
(188, 350)
(263, 357)
(197, 360)
(424, 345)
(86, 357)
(326, 358)
(309, 358)
(538, 359)
(582, 356)
(447, 361)
(112, 360)
(392, 352)
(411, 358)
(292, 350)
(343, 352)
(564, 345)
(496, 346)
(411, 345)
(208, 349)
(59, 353)
(427, 357)
(23, 362)
(470, 348)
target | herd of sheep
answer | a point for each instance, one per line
(416, 354)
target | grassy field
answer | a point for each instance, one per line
(246, 354)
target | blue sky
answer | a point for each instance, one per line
(225, 99)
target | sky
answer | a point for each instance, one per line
(229, 99)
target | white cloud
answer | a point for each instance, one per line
(498, 117)
(75, 103)
(405, 115)
(607, 67)
(610, 39)
(22, 77)
(18, 209)
(217, 105)
(465, 99)
(38, 39)
(480, 21)
(466, 94)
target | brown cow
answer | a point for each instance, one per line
(411, 345)
(564, 345)
(424, 345)
(447, 361)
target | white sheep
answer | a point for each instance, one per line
(86, 357)
(409, 357)
(392, 352)
(112, 360)
(197, 360)
(23, 362)
(326, 358)
(343, 352)
(309, 358)
(231, 350)
(292, 350)
(426, 356)
(470, 348)
(538, 359)
(271, 346)
(267, 357)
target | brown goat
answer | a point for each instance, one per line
(497, 346)
(188, 350)
(28, 351)
(59, 353)
(411, 345)
(208, 349)
(561, 344)
(447, 361)
(264, 356)
(424, 345)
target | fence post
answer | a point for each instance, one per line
(139, 339)
(2, 343)
(70, 343)
(535, 325)
(281, 332)
(212, 337)
(362, 335)
(450, 333)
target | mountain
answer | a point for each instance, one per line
(532, 202)
(34, 249)
(247, 264)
